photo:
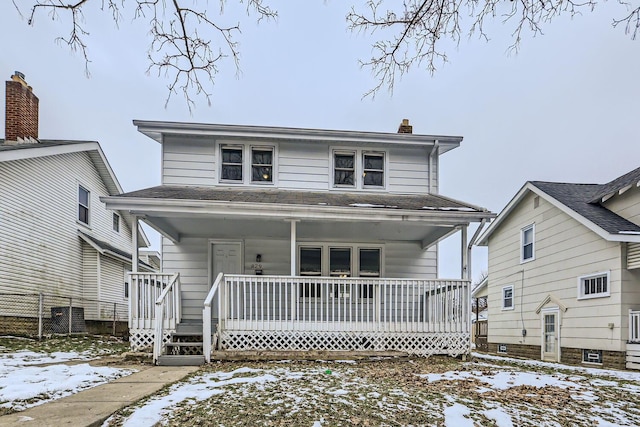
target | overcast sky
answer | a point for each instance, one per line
(565, 108)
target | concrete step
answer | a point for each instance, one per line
(169, 360)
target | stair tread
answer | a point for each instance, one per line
(177, 344)
(185, 334)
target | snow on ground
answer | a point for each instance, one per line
(25, 382)
(415, 392)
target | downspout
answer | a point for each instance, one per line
(436, 145)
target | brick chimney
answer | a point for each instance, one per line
(21, 118)
(405, 127)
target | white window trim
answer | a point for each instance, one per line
(246, 148)
(113, 216)
(273, 164)
(581, 295)
(242, 165)
(355, 255)
(531, 227)
(88, 223)
(513, 297)
(358, 182)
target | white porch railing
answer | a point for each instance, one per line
(300, 313)
(153, 296)
(634, 326)
(206, 318)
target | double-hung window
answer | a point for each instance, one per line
(369, 267)
(344, 165)
(507, 298)
(373, 169)
(527, 236)
(116, 222)
(262, 164)
(83, 204)
(231, 168)
(594, 286)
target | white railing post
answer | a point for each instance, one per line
(634, 326)
(206, 317)
(160, 308)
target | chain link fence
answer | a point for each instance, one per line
(39, 315)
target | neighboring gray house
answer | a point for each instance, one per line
(299, 239)
(564, 273)
(57, 238)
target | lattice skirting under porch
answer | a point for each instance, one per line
(419, 344)
(142, 339)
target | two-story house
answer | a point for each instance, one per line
(564, 273)
(300, 239)
(62, 252)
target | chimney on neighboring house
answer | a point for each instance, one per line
(405, 127)
(21, 115)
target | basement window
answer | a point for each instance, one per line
(592, 356)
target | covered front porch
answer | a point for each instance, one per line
(282, 273)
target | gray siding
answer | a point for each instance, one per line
(39, 247)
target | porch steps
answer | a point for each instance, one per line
(185, 347)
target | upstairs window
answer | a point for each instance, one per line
(527, 241)
(373, 169)
(116, 222)
(231, 169)
(594, 286)
(507, 298)
(83, 205)
(344, 165)
(262, 164)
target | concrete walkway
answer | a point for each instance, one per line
(91, 407)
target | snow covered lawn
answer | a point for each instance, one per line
(488, 391)
(29, 378)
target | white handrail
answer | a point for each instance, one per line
(206, 318)
(159, 316)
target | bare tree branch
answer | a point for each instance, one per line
(187, 45)
(415, 33)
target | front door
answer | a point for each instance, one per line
(550, 342)
(225, 258)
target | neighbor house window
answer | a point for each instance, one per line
(231, 163)
(116, 222)
(507, 298)
(262, 165)
(373, 169)
(83, 204)
(527, 240)
(344, 169)
(594, 285)
(592, 356)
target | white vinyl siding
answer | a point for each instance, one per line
(188, 161)
(40, 250)
(564, 250)
(297, 165)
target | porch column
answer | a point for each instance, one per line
(135, 255)
(464, 267)
(293, 247)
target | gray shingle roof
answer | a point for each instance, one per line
(107, 247)
(306, 198)
(630, 178)
(580, 198)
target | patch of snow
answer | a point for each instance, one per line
(337, 392)
(25, 358)
(455, 416)
(499, 417)
(502, 380)
(42, 384)
(197, 389)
